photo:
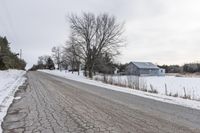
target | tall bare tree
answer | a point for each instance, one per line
(56, 54)
(92, 35)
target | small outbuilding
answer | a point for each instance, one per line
(144, 69)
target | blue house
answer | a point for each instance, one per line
(144, 69)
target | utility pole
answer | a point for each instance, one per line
(20, 54)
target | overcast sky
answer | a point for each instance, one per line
(160, 31)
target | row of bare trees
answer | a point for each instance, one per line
(91, 37)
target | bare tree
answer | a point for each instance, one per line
(56, 54)
(43, 59)
(70, 57)
(92, 35)
(42, 62)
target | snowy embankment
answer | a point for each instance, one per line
(10, 80)
(160, 97)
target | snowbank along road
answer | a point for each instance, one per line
(50, 104)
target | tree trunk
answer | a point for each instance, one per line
(78, 69)
(90, 72)
(91, 68)
(72, 67)
(58, 66)
(85, 70)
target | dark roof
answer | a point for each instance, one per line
(145, 65)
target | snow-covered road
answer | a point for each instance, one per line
(10, 80)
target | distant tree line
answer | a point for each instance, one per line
(191, 67)
(44, 62)
(8, 59)
(186, 68)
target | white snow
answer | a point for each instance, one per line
(17, 98)
(10, 80)
(176, 85)
(158, 80)
(180, 86)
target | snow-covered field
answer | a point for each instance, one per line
(166, 85)
(10, 80)
(157, 81)
(181, 86)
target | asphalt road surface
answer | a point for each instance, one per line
(51, 104)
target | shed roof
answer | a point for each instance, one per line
(145, 65)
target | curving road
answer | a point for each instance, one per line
(51, 104)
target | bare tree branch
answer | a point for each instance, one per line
(92, 35)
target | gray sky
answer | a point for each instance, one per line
(161, 31)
